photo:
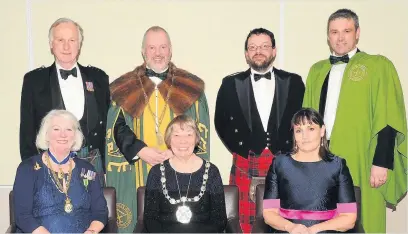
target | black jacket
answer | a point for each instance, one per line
(41, 93)
(237, 120)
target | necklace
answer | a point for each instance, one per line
(194, 199)
(183, 213)
(159, 135)
(54, 159)
(68, 207)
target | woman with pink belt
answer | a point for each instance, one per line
(309, 190)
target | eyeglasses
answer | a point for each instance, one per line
(262, 47)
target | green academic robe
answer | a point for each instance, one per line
(370, 99)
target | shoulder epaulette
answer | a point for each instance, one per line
(90, 66)
(94, 68)
(233, 74)
(39, 68)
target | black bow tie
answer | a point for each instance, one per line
(345, 59)
(162, 76)
(66, 73)
(259, 76)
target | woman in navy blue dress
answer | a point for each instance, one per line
(309, 190)
(55, 191)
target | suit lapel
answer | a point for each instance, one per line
(280, 98)
(323, 92)
(242, 85)
(57, 101)
(90, 109)
(323, 95)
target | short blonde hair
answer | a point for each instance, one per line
(42, 142)
(183, 121)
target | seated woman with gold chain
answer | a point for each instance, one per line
(55, 191)
(184, 193)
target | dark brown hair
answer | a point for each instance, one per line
(311, 116)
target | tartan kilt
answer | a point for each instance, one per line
(242, 171)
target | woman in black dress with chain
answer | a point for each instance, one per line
(184, 193)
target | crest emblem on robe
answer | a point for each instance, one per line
(357, 72)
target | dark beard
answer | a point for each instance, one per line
(262, 67)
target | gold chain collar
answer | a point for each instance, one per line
(159, 136)
(68, 206)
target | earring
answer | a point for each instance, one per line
(321, 140)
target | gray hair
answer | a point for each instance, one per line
(155, 29)
(42, 142)
(65, 20)
(345, 14)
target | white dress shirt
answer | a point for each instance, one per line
(333, 93)
(72, 90)
(264, 91)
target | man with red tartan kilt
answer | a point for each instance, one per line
(252, 117)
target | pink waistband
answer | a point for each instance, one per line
(307, 214)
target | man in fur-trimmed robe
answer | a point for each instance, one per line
(144, 101)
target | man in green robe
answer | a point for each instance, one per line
(144, 101)
(361, 99)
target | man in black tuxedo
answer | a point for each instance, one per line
(252, 117)
(66, 84)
